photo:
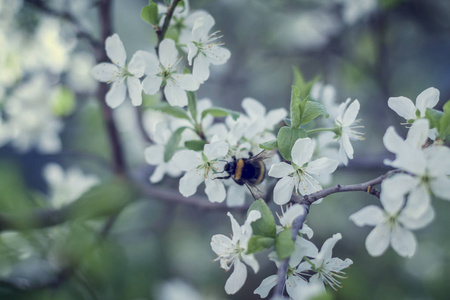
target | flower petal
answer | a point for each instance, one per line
(154, 155)
(116, 95)
(151, 62)
(327, 247)
(217, 55)
(440, 186)
(186, 160)
(419, 201)
(378, 239)
(134, 90)
(168, 53)
(281, 169)
(322, 165)
(350, 113)
(175, 95)
(151, 84)
(136, 66)
(186, 82)
(394, 189)
(253, 108)
(274, 117)
(115, 50)
(418, 133)
(221, 244)
(237, 278)
(235, 195)
(105, 72)
(158, 173)
(412, 223)
(302, 151)
(403, 241)
(403, 106)
(189, 182)
(215, 190)
(192, 52)
(427, 99)
(215, 150)
(392, 141)
(266, 285)
(200, 71)
(283, 190)
(370, 215)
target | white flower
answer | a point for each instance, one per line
(205, 49)
(406, 109)
(120, 74)
(201, 167)
(66, 187)
(177, 289)
(301, 174)
(30, 120)
(427, 170)
(328, 270)
(163, 72)
(154, 154)
(347, 125)
(230, 252)
(392, 226)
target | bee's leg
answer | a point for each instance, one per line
(223, 177)
(250, 154)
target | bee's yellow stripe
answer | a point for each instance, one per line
(261, 173)
(238, 171)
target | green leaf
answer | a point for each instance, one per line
(269, 145)
(266, 225)
(303, 86)
(192, 105)
(295, 108)
(287, 136)
(444, 123)
(312, 110)
(434, 116)
(288, 122)
(63, 101)
(258, 243)
(196, 145)
(174, 111)
(220, 112)
(149, 13)
(172, 144)
(284, 245)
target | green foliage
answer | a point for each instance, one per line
(258, 243)
(287, 136)
(196, 145)
(63, 101)
(220, 112)
(303, 87)
(174, 111)
(284, 245)
(265, 226)
(192, 105)
(444, 123)
(172, 144)
(312, 110)
(149, 13)
(269, 145)
(434, 116)
(295, 108)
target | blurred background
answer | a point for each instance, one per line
(55, 145)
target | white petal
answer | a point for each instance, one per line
(440, 186)
(115, 50)
(175, 95)
(186, 160)
(438, 160)
(189, 182)
(419, 201)
(186, 82)
(394, 189)
(392, 141)
(309, 185)
(251, 261)
(403, 106)
(302, 151)
(217, 55)
(274, 117)
(116, 95)
(412, 161)
(327, 248)
(427, 99)
(235, 227)
(370, 215)
(403, 241)
(105, 72)
(154, 155)
(202, 26)
(418, 133)
(345, 143)
(322, 165)
(168, 53)
(266, 285)
(158, 173)
(54, 174)
(236, 196)
(291, 214)
(237, 278)
(215, 190)
(192, 52)
(350, 113)
(216, 150)
(283, 190)
(221, 244)
(200, 70)
(414, 223)
(303, 248)
(151, 62)
(281, 169)
(151, 84)
(134, 90)
(253, 108)
(136, 66)
(378, 240)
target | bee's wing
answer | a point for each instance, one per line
(265, 154)
(256, 191)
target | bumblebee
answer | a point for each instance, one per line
(249, 171)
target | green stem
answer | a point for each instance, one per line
(319, 130)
